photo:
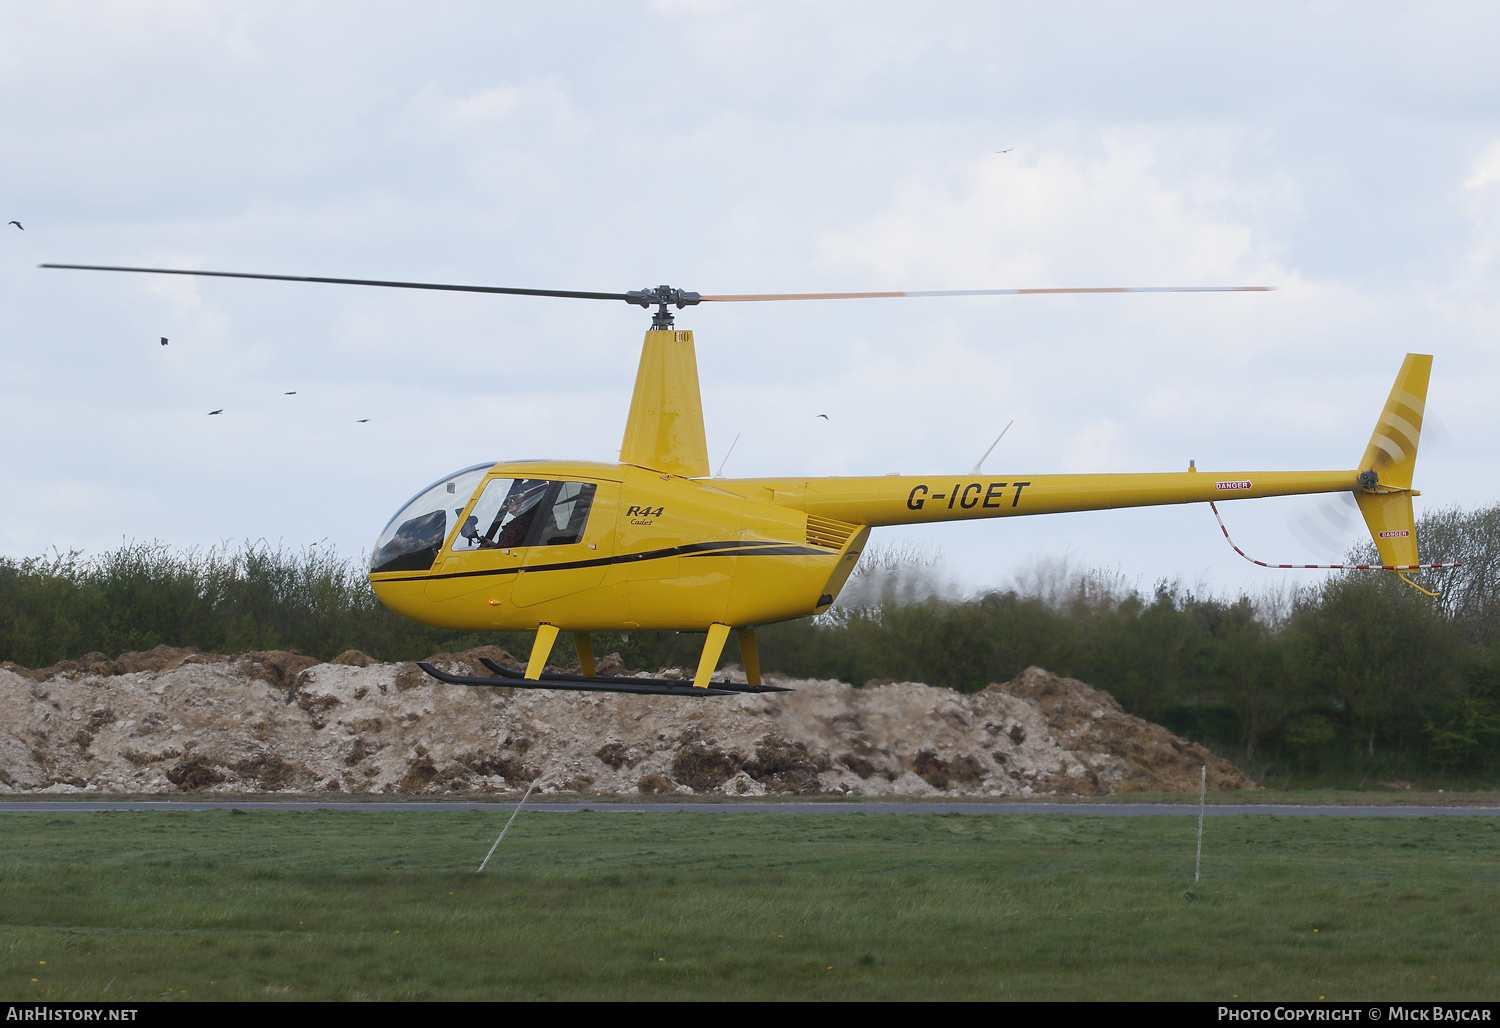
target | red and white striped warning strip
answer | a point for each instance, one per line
(1325, 567)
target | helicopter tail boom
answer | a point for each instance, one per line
(912, 500)
(1381, 484)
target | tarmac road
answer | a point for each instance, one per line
(755, 807)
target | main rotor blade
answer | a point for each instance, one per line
(574, 294)
(665, 294)
(992, 292)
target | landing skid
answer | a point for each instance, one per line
(602, 683)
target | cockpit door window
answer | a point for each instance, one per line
(567, 511)
(512, 513)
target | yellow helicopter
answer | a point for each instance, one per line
(654, 543)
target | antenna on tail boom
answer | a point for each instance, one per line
(980, 462)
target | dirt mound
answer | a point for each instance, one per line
(275, 667)
(176, 720)
(1082, 718)
(353, 658)
(467, 662)
(158, 658)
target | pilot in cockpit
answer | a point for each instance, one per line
(512, 522)
(522, 512)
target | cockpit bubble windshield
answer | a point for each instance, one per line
(413, 537)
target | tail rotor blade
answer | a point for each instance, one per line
(1327, 526)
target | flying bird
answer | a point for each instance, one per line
(213, 412)
(17, 224)
(825, 417)
(164, 340)
(292, 393)
(363, 420)
(1005, 151)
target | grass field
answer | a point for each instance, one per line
(344, 905)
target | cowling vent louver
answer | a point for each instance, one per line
(828, 533)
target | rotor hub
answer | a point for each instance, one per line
(663, 297)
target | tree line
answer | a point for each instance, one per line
(1356, 678)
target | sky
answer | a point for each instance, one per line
(1348, 154)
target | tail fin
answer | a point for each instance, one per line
(1392, 453)
(1389, 462)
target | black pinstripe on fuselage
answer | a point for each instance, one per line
(725, 548)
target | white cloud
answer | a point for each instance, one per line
(1062, 216)
(1481, 201)
(537, 99)
(487, 105)
(1486, 169)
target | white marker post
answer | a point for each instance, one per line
(513, 814)
(1202, 792)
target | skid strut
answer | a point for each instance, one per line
(507, 678)
(537, 677)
